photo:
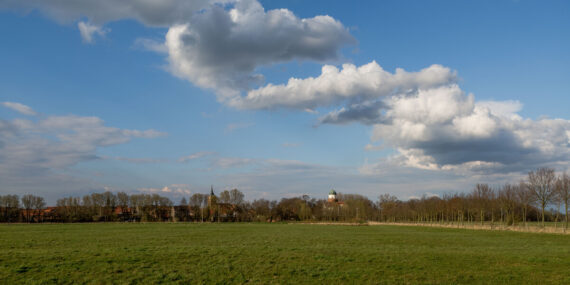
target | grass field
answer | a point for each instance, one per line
(277, 253)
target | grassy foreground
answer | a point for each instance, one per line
(276, 253)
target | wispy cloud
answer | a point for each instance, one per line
(169, 190)
(151, 45)
(135, 159)
(195, 155)
(236, 126)
(20, 108)
(38, 151)
(290, 145)
(231, 162)
(371, 147)
(88, 31)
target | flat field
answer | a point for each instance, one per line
(277, 253)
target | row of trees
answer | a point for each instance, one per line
(227, 206)
(10, 210)
(510, 204)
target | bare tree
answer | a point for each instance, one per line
(110, 202)
(236, 197)
(507, 199)
(27, 202)
(123, 203)
(38, 203)
(563, 189)
(557, 200)
(98, 201)
(11, 208)
(524, 197)
(123, 200)
(262, 209)
(224, 197)
(387, 203)
(197, 203)
(541, 182)
(481, 195)
(32, 206)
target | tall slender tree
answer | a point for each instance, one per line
(542, 182)
(524, 197)
(481, 195)
(27, 202)
(564, 195)
(38, 204)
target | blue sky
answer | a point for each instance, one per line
(125, 107)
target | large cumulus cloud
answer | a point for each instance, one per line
(425, 116)
(221, 48)
(351, 83)
(443, 128)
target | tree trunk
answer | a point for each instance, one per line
(524, 215)
(543, 206)
(566, 215)
(513, 216)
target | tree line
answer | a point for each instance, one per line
(510, 204)
(542, 197)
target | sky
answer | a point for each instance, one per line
(280, 98)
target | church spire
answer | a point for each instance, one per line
(212, 190)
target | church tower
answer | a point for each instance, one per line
(332, 196)
(213, 205)
(212, 199)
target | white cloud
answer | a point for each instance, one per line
(19, 107)
(507, 109)
(151, 13)
(151, 45)
(88, 31)
(425, 116)
(221, 48)
(444, 129)
(135, 160)
(371, 147)
(175, 190)
(195, 155)
(333, 86)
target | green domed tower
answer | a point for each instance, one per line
(332, 196)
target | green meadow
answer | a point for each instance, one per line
(117, 253)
